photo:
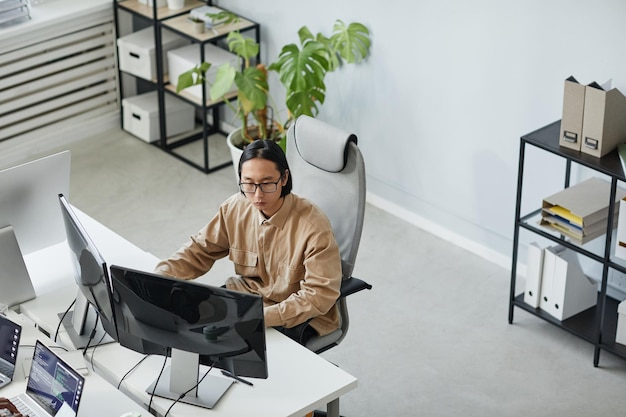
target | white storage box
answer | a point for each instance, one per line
(183, 59)
(160, 3)
(141, 116)
(620, 335)
(138, 55)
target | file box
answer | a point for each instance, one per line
(620, 335)
(141, 116)
(137, 53)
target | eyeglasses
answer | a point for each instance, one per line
(266, 187)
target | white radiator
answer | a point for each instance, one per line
(61, 74)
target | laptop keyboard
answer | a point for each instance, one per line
(6, 368)
(23, 408)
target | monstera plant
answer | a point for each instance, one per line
(301, 69)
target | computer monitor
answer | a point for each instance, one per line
(214, 326)
(28, 201)
(92, 320)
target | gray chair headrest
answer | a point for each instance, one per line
(328, 148)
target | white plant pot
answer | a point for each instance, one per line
(175, 4)
(233, 138)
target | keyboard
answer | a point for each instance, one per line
(23, 408)
(6, 368)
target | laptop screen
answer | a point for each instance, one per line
(52, 382)
(9, 342)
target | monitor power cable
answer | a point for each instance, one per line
(56, 333)
(131, 370)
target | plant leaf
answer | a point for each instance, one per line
(192, 77)
(247, 48)
(253, 87)
(305, 102)
(352, 43)
(302, 69)
(223, 82)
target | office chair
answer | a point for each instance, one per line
(329, 171)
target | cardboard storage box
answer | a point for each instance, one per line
(620, 335)
(185, 58)
(141, 116)
(138, 55)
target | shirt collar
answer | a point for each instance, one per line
(280, 217)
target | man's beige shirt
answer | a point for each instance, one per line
(291, 259)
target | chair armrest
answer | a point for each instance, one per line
(351, 285)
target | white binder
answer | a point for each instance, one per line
(565, 290)
(534, 267)
(547, 276)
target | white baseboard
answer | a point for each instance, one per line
(616, 286)
(439, 231)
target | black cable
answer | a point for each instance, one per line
(181, 396)
(169, 353)
(131, 370)
(94, 350)
(92, 334)
(63, 318)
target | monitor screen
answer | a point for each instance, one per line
(155, 314)
(28, 195)
(91, 276)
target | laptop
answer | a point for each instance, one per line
(53, 389)
(10, 333)
(14, 278)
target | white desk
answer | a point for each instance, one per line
(299, 380)
(100, 399)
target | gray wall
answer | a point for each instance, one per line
(448, 90)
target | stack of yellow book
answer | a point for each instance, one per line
(581, 211)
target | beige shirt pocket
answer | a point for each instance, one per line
(246, 262)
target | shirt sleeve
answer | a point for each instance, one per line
(197, 256)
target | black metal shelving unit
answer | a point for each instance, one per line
(176, 21)
(598, 324)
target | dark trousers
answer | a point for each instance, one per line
(301, 333)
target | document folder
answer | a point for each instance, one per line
(620, 245)
(547, 276)
(565, 290)
(572, 291)
(580, 211)
(534, 269)
(572, 119)
(604, 120)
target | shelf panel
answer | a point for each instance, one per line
(609, 329)
(581, 325)
(135, 7)
(182, 24)
(547, 138)
(197, 100)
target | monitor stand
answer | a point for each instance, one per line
(182, 375)
(81, 321)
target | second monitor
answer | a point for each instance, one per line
(91, 321)
(167, 316)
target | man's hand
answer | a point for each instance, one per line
(8, 409)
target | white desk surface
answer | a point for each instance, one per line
(100, 398)
(299, 380)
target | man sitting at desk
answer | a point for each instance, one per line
(282, 246)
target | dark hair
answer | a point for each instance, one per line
(267, 149)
